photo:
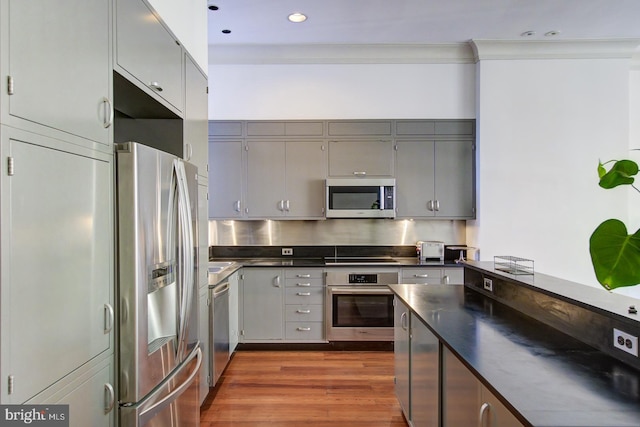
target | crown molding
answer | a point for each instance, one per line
(554, 49)
(342, 54)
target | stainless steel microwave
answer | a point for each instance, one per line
(361, 198)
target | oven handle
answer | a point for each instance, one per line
(344, 290)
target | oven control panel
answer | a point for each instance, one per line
(363, 278)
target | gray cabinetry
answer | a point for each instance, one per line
(57, 319)
(234, 327)
(226, 179)
(371, 157)
(425, 381)
(466, 401)
(203, 333)
(401, 342)
(433, 275)
(435, 179)
(285, 179)
(263, 304)
(195, 122)
(304, 304)
(147, 53)
(58, 70)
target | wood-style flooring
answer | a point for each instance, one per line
(305, 388)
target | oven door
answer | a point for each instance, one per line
(359, 313)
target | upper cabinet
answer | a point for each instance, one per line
(196, 105)
(148, 54)
(361, 158)
(57, 72)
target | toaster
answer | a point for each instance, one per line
(431, 250)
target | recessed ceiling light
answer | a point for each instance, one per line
(226, 31)
(552, 33)
(528, 34)
(297, 17)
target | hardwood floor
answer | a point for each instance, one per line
(310, 388)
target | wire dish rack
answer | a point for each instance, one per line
(513, 264)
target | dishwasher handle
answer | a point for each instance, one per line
(220, 290)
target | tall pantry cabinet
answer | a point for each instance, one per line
(58, 121)
(56, 201)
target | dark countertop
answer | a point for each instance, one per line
(546, 377)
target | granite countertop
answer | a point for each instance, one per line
(546, 377)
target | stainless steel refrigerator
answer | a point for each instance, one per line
(159, 354)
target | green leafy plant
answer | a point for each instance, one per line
(615, 254)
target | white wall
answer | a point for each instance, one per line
(341, 91)
(188, 21)
(542, 126)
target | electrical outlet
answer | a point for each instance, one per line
(287, 251)
(625, 342)
(488, 285)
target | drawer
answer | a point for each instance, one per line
(304, 296)
(304, 313)
(306, 331)
(422, 275)
(303, 273)
(303, 282)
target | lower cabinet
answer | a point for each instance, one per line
(203, 326)
(234, 329)
(282, 304)
(433, 275)
(466, 401)
(417, 355)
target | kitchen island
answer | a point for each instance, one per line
(541, 376)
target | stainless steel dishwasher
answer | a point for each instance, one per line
(219, 330)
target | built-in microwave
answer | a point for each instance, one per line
(361, 198)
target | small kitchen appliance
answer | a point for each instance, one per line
(431, 250)
(361, 198)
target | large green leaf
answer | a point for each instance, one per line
(615, 255)
(621, 173)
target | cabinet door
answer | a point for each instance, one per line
(203, 333)
(401, 325)
(225, 180)
(453, 276)
(196, 124)
(148, 52)
(361, 158)
(425, 380)
(56, 265)
(60, 67)
(460, 393)
(494, 413)
(266, 196)
(454, 178)
(263, 304)
(234, 329)
(306, 172)
(415, 163)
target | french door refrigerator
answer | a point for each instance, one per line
(159, 354)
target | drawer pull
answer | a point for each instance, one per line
(485, 408)
(303, 311)
(304, 294)
(305, 285)
(421, 276)
(303, 329)
(303, 276)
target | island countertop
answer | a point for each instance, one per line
(547, 378)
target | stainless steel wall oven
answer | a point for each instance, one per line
(359, 305)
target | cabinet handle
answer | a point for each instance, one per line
(430, 205)
(445, 279)
(304, 285)
(484, 409)
(189, 151)
(108, 112)
(303, 329)
(437, 205)
(155, 86)
(281, 205)
(421, 276)
(286, 205)
(303, 276)
(403, 320)
(303, 311)
(276, 281)
(236, 206)
(108, 318)
(360, 173)
(109, 398)
(304, 294)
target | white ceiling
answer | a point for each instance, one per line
(419, 21)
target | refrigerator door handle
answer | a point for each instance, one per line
(146, 414)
